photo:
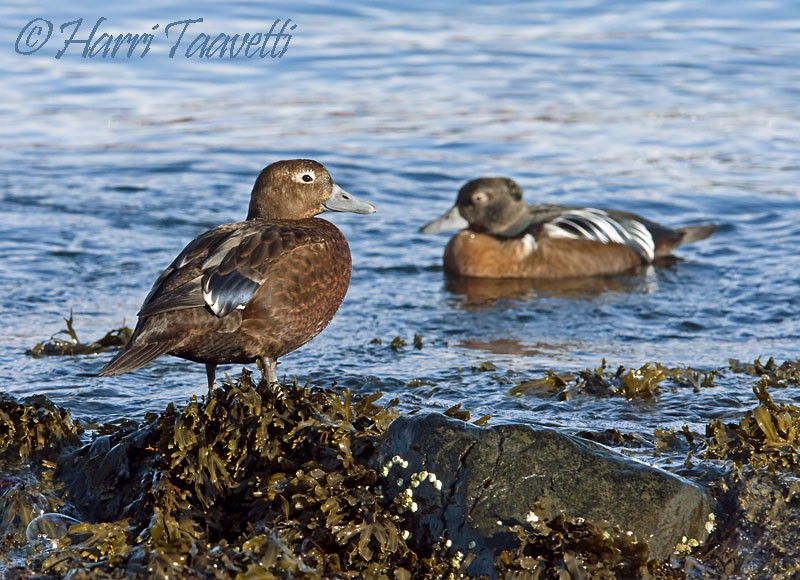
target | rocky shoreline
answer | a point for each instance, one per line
(294, 481)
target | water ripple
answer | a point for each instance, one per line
(671, 110)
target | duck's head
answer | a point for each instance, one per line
(297, 189)
(491, 205)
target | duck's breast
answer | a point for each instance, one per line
(303, 288)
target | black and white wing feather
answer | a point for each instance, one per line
(229, 280)
(221, 270)
(598, 225)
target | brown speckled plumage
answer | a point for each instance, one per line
(251, 290)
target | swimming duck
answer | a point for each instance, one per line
(256, 289)
(504, 237)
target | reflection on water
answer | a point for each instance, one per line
(506, 346)
(483, 292)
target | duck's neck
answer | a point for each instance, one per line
(516, 228)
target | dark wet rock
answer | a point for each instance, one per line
(106, 478)
(471, 487)
(763, 541)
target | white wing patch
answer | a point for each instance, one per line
(224, 293)
(597, 225)
(216, 307)
(529, 244)
(212, 302)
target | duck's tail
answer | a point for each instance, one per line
(135, 357)
(691, 234)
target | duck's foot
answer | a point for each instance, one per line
(211, 375)
(270, 369)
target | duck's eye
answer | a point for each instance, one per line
(479, 198)
(307, 176)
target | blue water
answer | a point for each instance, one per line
(681, 112)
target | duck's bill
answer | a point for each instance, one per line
(451, 221)
(340, 200)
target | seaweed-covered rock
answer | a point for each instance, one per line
(763, 539)
(34, 427)
(33, 433)
(257, 479)
(642, 383)
(474, 487)
(72, 345)
(767, 436)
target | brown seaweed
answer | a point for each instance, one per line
(268, 481)
(72, 345)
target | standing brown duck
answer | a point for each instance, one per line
(504, 237)
(256, 289)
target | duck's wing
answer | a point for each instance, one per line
(554, 221)
(178, 285)
(222, 268)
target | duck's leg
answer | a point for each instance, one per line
(270, 370)
(211, 374)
